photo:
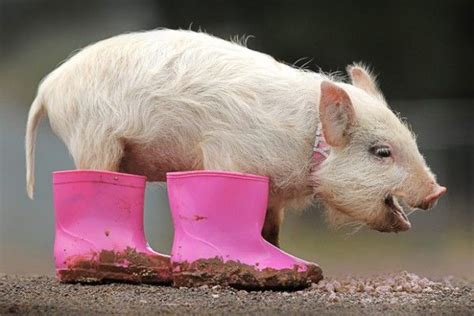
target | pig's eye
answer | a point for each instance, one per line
(381, 151)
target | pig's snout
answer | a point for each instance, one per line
(429, 201)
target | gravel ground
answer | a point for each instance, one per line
(402, 293)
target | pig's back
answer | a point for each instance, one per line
(161, 64)
(192, 83)
(138, 60)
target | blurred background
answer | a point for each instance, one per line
(422, 51)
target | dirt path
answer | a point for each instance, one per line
(403, 293)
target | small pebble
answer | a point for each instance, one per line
(333, 297)
(329, 287)
(383, 288)
(428, 290)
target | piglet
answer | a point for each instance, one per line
(152, 102)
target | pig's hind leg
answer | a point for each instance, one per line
(95, 152)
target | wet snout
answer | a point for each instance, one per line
(430, 200)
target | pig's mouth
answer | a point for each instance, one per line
(396, 220)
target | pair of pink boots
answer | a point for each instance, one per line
(217, 216)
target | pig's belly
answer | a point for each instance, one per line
(154, 161)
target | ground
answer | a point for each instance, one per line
(399, 294)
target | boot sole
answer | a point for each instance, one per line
(128, 266)
(242, 276)
(107, 274)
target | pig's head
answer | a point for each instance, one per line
(374, 172)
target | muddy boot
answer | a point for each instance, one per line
(99, 229)
(218, 218)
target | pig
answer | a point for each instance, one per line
(152, 102)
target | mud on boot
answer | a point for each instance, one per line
(243, 276)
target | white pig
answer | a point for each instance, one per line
(152, 102)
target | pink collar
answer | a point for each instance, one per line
(321, 149)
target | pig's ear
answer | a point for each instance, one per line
(336, 114)
(362, 78)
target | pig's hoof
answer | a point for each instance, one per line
(243, 276)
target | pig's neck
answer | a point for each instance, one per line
(301, 108)
(296, 109)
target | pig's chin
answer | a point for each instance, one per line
(395, 219)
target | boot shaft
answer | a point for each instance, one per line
(104, 208)
(216, 203)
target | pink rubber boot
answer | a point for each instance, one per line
(99, 229)
(218, 218)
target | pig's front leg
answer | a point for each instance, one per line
(271, 228)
